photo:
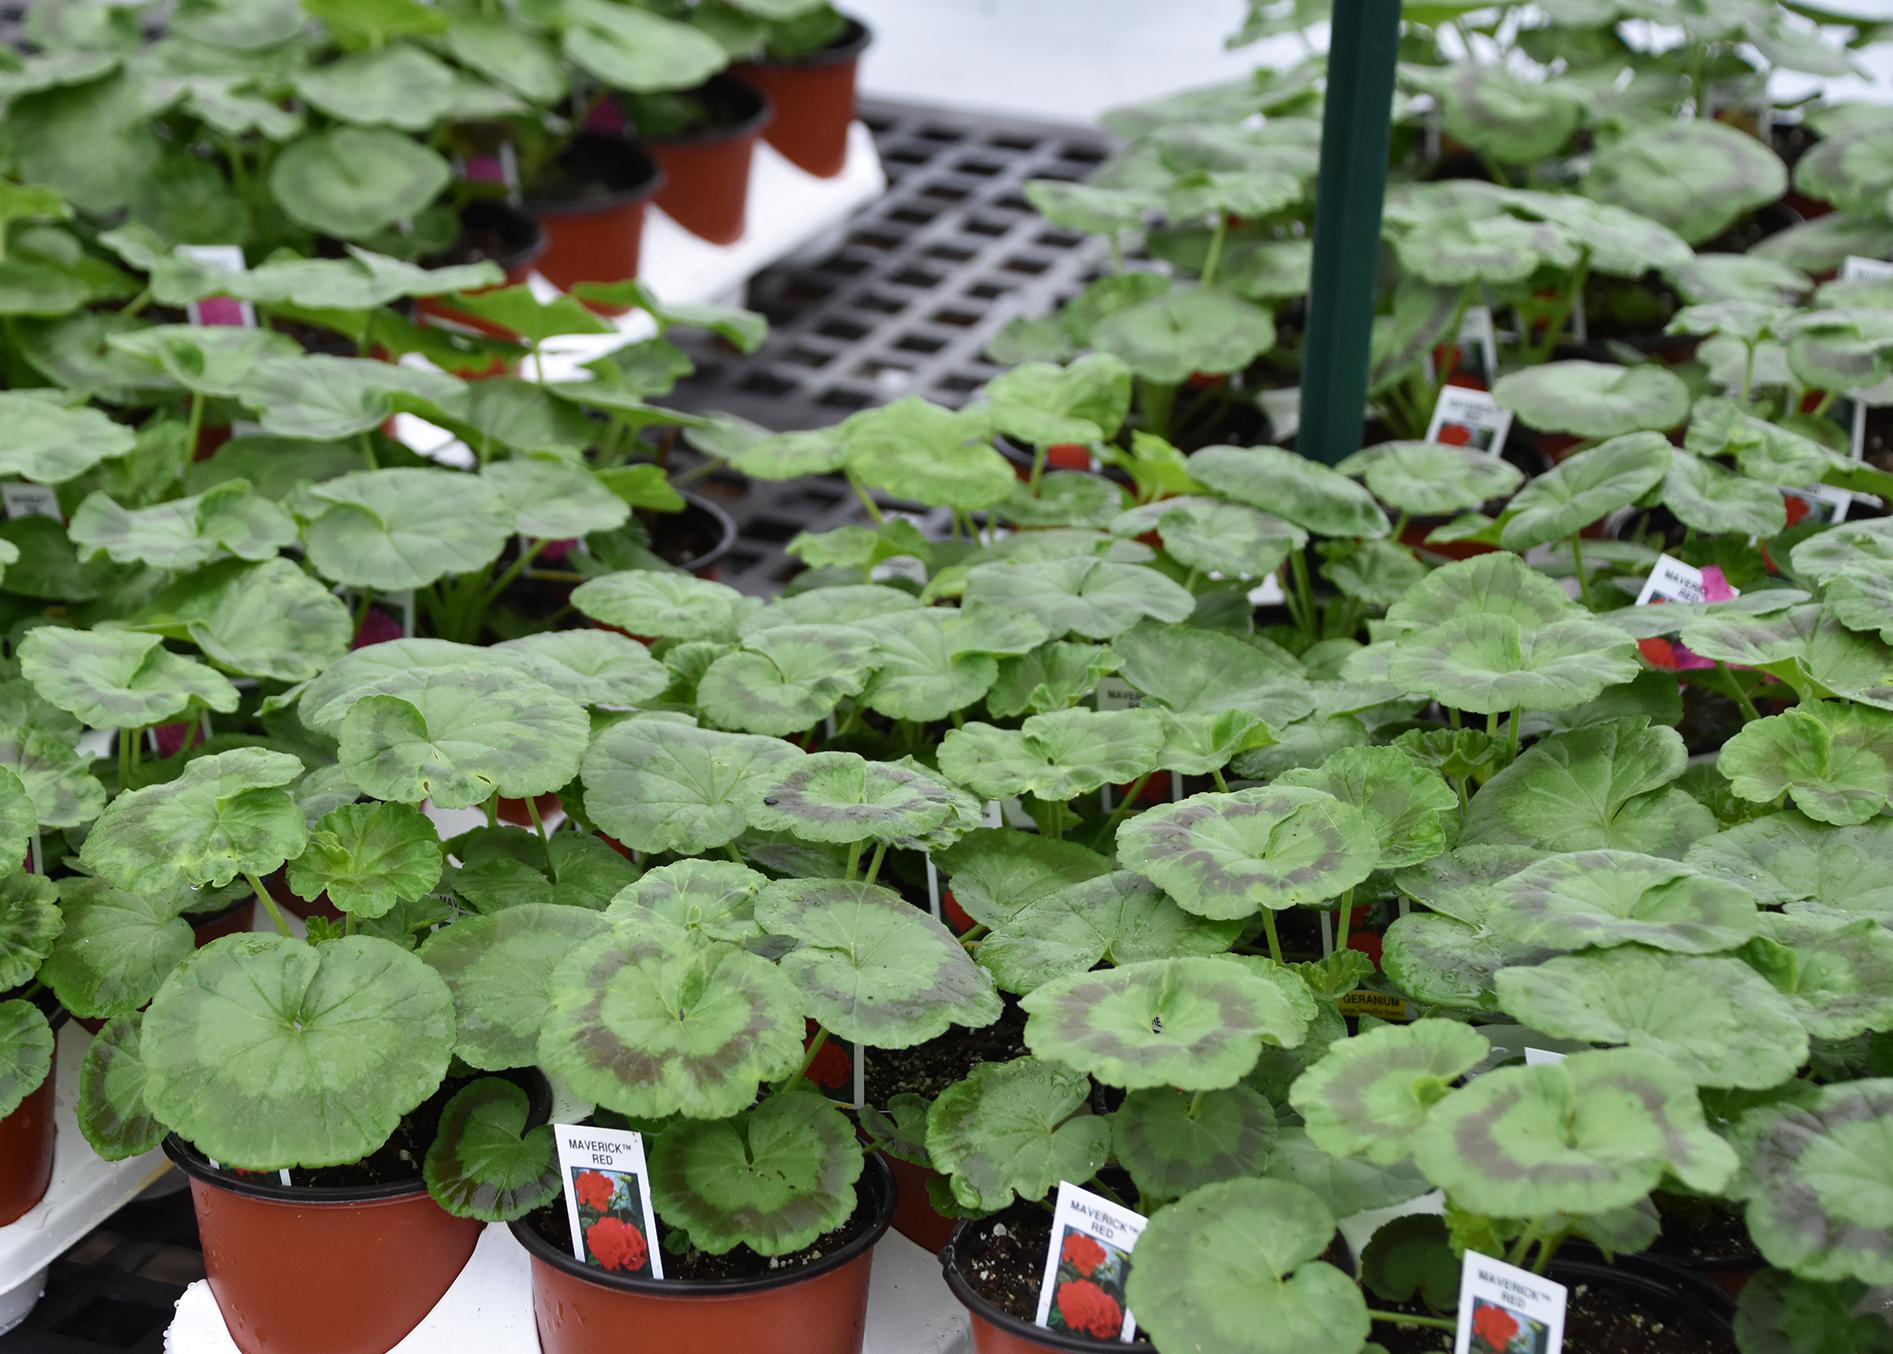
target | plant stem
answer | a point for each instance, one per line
(867, 499)
(874, 861)
(1124, 806)
(1275, 941)
(1402, 1319)
(492, 807)
(1522, 1247)
(1155, 401)
(854, 860)
(1216, 238)
(513, 571)
(269, 905)
(1511, 741)
(1734, 687)
(1216, 774)
(1347, 921)
(1298, 567)
(368, 451)
(126, 737)
(808, 1061)
(1038, 468)
(729, 849)
(194, 429)
(545, 839)
(1577, 563)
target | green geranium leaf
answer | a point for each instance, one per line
(1193, 1023)
(650, 1031)
(554, 500)
(662, 604)
(786, 678)
(1835, 760)
(397, 529)
(1712, 1017)
(367, 858)
(1069, 929)
(1440, 961)
(1431, 479)
(115, 949)
(1486, 585)
(592, 667)
(1015, 1128)
(1835, 972)
(1186, 330)
(223, 816)
(1609, 898)
(1234, 1268)
(354, 182)
(26, 1052)
(840, 797)
(1584, 488)
(871, 967)
(927, 454)
(660, 785)
(269, 619)
(1280, 482)
(1203, 672)
(1781, 1313)
(118, 679)
(1454, 249)
(1231, 855)
(30, 922)
(484, 1162)
(919, 673)
(1594, 1132)
(50, 445)
(1215, 537)
(399, 86)
(1595, 399)
(111, 1107)
(1490, 663)
(1511, 119)
(1697, 177)
(1411, 1258)
(996, 873)
(266, 1052)
(1368, 1095)
(1815, 1177)
(1093, 598)
(1044, 404)
(499, 969)
(1055, 756)
(1173, 1143)
(761, 454)
(633, 50)
(1705, 496)
(774, 1179)
(1407, 806)
(711, 898)
(1788, 858)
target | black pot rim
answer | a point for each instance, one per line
(760, 112)
(848, 47)
(196, 1165)
(726, 526)
(1653, 1274)
(876, 1179)
(1024, 1330)
(642, 174)
(495, 209)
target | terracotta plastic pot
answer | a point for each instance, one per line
(706, 173)
(914, 1215)
(514, 240)
(26, 1145)
(999, 1332)
(227, 922)
(596, 236)
(384, 1255)
(816, 1309)
(814, 97)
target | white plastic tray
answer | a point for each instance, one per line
(489, 1307)
(84, 1191)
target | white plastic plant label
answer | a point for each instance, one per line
(1473, 360)
(1268, 593)
(933, 888)
(1114, 693)
(1087, 1266)
(30, 500)
(608, 1199)
(1671, 580)
(1507, 1310)
(1818, 502)
(1542, 1057)
(1469, 418)
(219, 310)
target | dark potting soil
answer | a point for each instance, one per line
(1697, 1232)
(679, 538)
(1598, 1321)
(552, 1223)
(479, 242)
(1005, 1263)
(928, 1069)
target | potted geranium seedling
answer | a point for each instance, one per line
(704, 140)
(803, 55)
(30, 1013)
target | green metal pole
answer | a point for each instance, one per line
(1356, 126)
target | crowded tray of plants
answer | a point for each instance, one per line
(1496, 828)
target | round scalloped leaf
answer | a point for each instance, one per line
(397, 529)
(555, 500)
(1606, 898)
(223, 816)
(1454, 249)
(49, 444)
(923, 453)
(1861, 598)
(1710, 279)
(391, 668)
(997, 873)
(1015, 1128)
(592, 667)
(871, 967)
(1488, 664)
(1411, 1259)
(26, 1052)
(367, 858)
(30, 923)
(1281, 482)
(1848, 169)
(1818, 1179)
(920, 674)
(1234, 1267)
(1064, 498)
(1507, 117)
(266, 1052)
(650, 1031)
(1595, 399)
(1486, 585)
(1432, 479)
(184, 533)
(484, 1162)
(1787, 858)
(1438, 961)
(1457, 883)
(1781, 1313)
(1835, 972)
(329, 398)
(1408, 807)
(1197, 1024)
(111, 1107)
(57, 777)
(1705, 496)
(1055, 756)
(1835, 760)
(1697, 177)
(1227, 856)
(1347, 1185)
(1608, 786)
(118, 679)
(1589, 485)
(1594, 1132)
(1093, 598)
(458, 736)
(785, 678)
(774, 1179)
(1712, 1017)
(662, 604)
(842, 797)
(117, 947)
(711, 898)
(1185, 330)
(353, 182)
(1368, 1095)
(1172, 1143)
(1116, 916)
(660, 785)
(264, 620)
(1622, 243)
(1209, 535)
(499, 968)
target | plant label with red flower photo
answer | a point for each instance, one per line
(1087, 1266)
(1674, 581)
(1473, 361)
(1469, 418)
(608, 1199)
(1507, 1310)
(218, 310)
